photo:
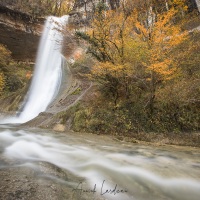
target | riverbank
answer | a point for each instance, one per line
(164, 139)
(180, 140)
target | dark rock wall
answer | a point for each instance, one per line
(20, 33)
(83, 11)
(22, 45)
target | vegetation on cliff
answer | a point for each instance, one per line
(147, 70)
(38, 8)
(14, 76)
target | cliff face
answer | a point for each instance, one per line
(20, 33)
(83, 10)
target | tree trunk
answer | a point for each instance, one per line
(166, 5)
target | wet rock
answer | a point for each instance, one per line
(44, 182)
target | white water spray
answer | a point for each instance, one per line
(46, 80)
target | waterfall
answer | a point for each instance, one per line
(47, 74)
(198, 4)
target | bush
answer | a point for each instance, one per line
(2, 82)
(13, 83)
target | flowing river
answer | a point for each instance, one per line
(112, 169)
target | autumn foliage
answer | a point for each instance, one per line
(139, 54)
(122, 43)
(13, 75)
(5, 56)
(38, 8)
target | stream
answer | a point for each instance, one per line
(111, 169)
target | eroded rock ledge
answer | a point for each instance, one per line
(20, 33)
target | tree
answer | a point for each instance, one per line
(2, 82)
(131, 52)
(162, 37)
(5, 58)
(110, 39)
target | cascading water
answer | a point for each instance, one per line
(48, 71)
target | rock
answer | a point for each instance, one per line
(20, 33)
(83, 11)
(44, 182)
(59, 128)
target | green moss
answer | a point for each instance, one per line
(65, 115)
(77, 91)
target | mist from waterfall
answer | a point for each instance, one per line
(48, 72)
